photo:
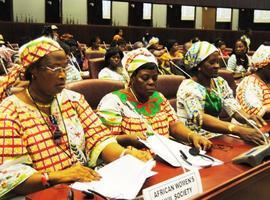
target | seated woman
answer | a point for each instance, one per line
(95, 46)
(239, 63)
(201, 98)
(50, 135)
(113, 69)
(139, 110)
(172, 55)
(253, 92)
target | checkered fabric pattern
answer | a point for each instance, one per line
(36, 49)
(9, 80)
(24, 132)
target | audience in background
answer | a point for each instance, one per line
(113, 69)
(201, 98)
(239, 62)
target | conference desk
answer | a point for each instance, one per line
(227, 181)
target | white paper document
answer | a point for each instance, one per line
(121, 179)
(173, 153)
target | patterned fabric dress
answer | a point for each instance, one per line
(25, 137)
(7, 81)
(119, 111)
(253, 95)
(191, 99)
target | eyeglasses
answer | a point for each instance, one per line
(57, 133)
(55, 69)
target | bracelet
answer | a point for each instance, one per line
(45, 179)
(231, 127)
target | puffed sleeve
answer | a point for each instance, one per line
(97, 135)
(15, 161)
(109, 111)
(232, 63)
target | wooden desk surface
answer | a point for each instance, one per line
(227, 181)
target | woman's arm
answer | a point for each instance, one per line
(180, 132)
(75, 173)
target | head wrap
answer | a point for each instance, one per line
(152, 41)
(198, 52)
(36, 49)
(261, 57)
(133, 60)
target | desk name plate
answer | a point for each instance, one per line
(181, 187)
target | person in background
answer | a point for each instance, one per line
(113, 69)
(72, 70)
(246, 37)
(186, 47)
(139, 110)
(95, 46)
(137, 45)
(2, 41)
(51, 31)
(253, 92)
(146, 38)
(221, 45)
(239, 62)
(118, 35)
(173, 54)
(201, 98)
(50, 135)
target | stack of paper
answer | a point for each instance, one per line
(169, 151)
(121, 179)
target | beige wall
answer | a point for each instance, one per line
(159, 15)
(119, 13)
(235, 19)
(29, 10)
(198, 18)
(75, 11)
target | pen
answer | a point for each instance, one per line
(184, 156)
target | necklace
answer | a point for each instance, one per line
(134, 94)
(56, 137)
(36, 103)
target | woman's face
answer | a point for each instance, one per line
(175, 46)
(115, 60)
(240, 48)
(144, 82)
(50, 77)
(210, 66)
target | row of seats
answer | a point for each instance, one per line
(95, 89)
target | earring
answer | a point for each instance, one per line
(33, 77)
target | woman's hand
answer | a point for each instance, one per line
(200, 142)
(250, 135)
(258, 120)
(140, 154)
(73, 174)
(131, 140)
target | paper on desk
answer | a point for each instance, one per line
(121, 179)
(168, 150)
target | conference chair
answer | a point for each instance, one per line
(95, 66)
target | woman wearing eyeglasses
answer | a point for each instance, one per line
(50, 135)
